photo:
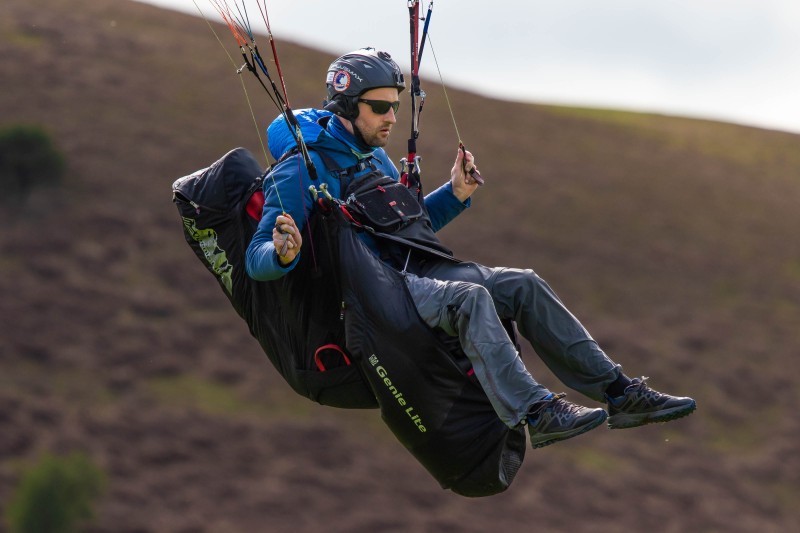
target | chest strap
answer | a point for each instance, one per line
(344, 175)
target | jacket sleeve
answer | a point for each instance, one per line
(443, 206)
(281, 194)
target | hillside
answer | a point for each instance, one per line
(673, 240)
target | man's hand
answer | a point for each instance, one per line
(462, 182)
(286, 238)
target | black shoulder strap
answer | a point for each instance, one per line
(331, 165)
(347, 172)
(344, 175)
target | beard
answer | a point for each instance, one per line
(376, 137)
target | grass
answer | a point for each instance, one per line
(75, 387)
(22, 39)
(748, 147)
(187, 391)
(596, 461)
(193, 392)
(747, 435)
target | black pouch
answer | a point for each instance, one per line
(382, 203)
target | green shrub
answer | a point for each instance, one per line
(55, 495)
(28, 159)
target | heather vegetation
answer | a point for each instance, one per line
(673, 240)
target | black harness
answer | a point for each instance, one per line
(385, 208)
(388, 210)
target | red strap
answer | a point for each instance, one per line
(329, 347)
(348, 215)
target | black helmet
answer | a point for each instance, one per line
(353, 74)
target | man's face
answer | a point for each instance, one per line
(375, 128)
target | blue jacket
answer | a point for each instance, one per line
(286, 186)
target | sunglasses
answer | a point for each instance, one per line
(381, 107)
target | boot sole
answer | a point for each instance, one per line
(564, 435)
(624, 421)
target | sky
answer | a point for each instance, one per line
(730, 60)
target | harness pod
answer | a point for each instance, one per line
(426, 395)
(355, 310)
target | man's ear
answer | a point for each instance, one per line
(343, 106)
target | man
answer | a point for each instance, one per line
(466, 299)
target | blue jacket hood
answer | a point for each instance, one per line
(279, 136)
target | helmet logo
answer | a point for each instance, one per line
(341, 81)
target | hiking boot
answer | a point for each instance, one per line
(642, 405)
(556, 419)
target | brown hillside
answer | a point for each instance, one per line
(674, 240)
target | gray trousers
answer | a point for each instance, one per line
(468, 300)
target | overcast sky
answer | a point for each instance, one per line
(732, 60)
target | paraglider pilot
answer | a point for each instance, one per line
(464, 299)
